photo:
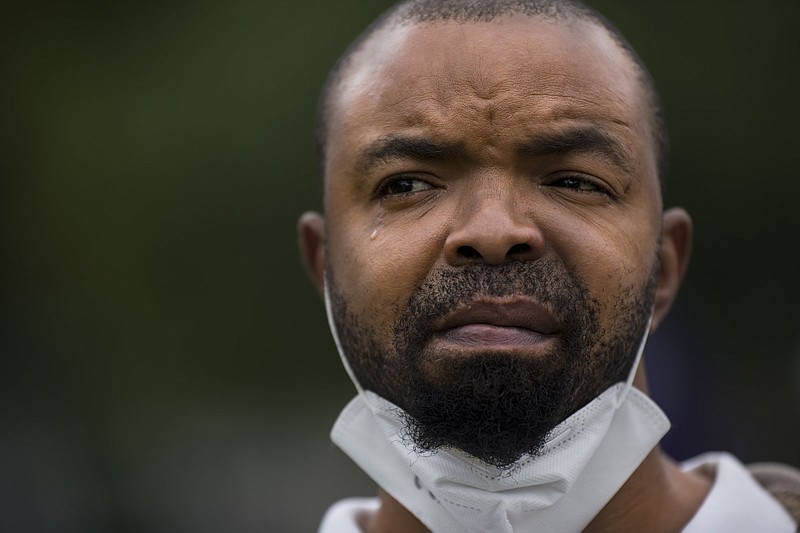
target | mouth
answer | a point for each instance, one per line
(498, 324)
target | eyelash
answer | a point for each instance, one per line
(582, 181)
(384, 189)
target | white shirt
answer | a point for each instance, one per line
(735, 504)
(345, 516)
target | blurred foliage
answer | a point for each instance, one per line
(166, 365)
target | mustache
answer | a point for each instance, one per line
(546, 281)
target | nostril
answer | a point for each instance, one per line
(468, 252)
(519, 249)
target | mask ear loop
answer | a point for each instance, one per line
(337, 342)
(632, 374)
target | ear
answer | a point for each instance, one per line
(676, 245)
(311, 231)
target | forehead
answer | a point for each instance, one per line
(510, 76)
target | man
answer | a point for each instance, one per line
(493, 254)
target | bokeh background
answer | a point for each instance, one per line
(165, 365)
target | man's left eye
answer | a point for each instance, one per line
(403, 185)
(577, 183)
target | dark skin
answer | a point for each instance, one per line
(520, 138)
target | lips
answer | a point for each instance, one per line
(507, 323)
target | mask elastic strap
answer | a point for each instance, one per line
(337, 342)
(636, 361)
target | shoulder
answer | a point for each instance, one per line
(348, 515)
(782, 481)
(738, 500)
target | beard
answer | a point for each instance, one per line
(494, 406)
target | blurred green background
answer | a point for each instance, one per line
(166, 365)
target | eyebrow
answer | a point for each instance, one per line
(584, 140)
(392, 147)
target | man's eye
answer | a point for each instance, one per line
(403, 185)
(577, 183)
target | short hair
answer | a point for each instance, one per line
(466, 11)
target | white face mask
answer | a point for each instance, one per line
(586, 460)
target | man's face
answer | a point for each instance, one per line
(492, 225)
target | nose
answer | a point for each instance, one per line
(493, 232)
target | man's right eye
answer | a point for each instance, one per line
(401, 185)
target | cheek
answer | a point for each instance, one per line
(378, 266)
(610, 258)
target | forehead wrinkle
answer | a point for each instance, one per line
(445, 92)
(564, 85)
(576, 108)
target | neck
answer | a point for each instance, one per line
(658, 497)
